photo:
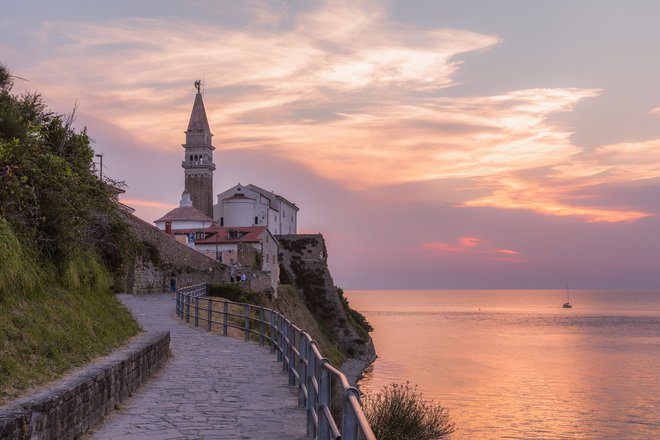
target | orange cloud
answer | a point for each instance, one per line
(474, 246)
(346, 92)
(147, 203)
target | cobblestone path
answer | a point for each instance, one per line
(210, 388)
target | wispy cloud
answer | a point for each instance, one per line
(474, 247)
(348, 93)
(147, 203)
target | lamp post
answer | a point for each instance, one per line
(100, 156)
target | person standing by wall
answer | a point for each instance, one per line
(173, 285)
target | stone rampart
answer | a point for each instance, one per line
(71, 406)
(160, 254)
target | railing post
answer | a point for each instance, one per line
(302, 370)
(247, 322)
(272, 332)
(197, 311)
(278, 319)
(177, 304)
(225, 309)
(292, 355)
(349, 423)
(285, 346)
(209, 316)
(187, 300)
(261, 326)
(325, 399)
(311, 393)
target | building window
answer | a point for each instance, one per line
(256, 220)
(222, 221)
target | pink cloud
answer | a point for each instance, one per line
(362, 115)
(147, 203)
(474, 247)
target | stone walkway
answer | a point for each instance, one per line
(210, 388)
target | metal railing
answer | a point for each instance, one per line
(300, 356)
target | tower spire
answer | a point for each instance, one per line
(198, 157)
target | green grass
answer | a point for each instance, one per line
(51, 323)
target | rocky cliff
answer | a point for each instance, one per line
(303, 260)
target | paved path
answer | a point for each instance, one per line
(209, 389)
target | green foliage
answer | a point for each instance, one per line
(399, 412)
(19, 271)
(43, 337)
(85, 271)
(62, 243)
(48, 324)
(356, 318)
(235, 292)
(48, 194)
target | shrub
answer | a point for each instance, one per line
(235, 292)
(399, 412)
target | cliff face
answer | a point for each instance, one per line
(303, 260)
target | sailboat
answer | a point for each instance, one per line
(567, 304)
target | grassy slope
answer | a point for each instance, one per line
(47, 329)
(292, 305)
(43, 337)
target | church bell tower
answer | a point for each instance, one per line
(198, 160)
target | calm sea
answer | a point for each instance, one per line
(516, 365)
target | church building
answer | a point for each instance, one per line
(239, 206)
(198, 163)
(250, 205)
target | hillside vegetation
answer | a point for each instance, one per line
(63, 247)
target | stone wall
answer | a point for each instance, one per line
(159, 255)
(69, 408)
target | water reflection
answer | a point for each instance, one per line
(522, 367)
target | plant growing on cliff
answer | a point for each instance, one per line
(399, 412)
(356, 317)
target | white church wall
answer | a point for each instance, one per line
(185, 224)
(238, 212)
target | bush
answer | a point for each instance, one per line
(399, 412)
(235, 292)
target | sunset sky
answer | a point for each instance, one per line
(435, 144)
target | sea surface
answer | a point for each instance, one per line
(516, 365)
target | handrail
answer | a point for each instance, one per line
(300, 356)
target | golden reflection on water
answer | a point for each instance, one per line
(519, 366)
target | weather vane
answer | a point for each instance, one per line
(198, 84)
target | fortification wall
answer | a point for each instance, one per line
(70, 407)
(159, 255)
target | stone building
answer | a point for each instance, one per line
(198, 158)
(184, 217)
(240, 248)
(240, 205)
(250, 205)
